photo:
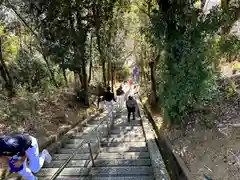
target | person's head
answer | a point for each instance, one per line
(130, 98)
(120, 87)
(108, 88)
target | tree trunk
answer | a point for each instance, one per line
(81, 55)
(153, 84)
(65, 76)
(90, 65)
(152, 66)
(52, 77)
(80, 78)
(96, 14)
(113, 72)
(77, 80)
(102, 59)
(5, 74)
(85, 83)
(115, 75)
(109, 72)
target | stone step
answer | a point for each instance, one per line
(66, 172)
(92, 135)
(57, 157)
(104, 178)
(122, 162)
(125, 123)
(72, 163)
(104, 149)
(81, 151)
(124, 144)
(73, 146)
(130, 136)
(124, 149)
(107, 143)
(100, 163)
(102, 133)
(124, 155)
(96, 125)
(128, 127)
(93, 122)
(87, 129)
(92, 139)
(124, 133)
(98, 171)
(123, 139)
(124, 119)
(127, 155)
(90, 129)
(108, 171)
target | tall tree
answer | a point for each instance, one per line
(63, 28)
(187, 37)
(103, 12)
(4, 72)
(41, 48)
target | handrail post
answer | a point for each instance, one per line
(91, 155)
(108, 124)
(98, 139)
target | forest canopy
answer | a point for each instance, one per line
(177, 45)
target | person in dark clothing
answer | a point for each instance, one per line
(131, 107)
(109, 98)
(120, 91)
(100, 94)
(108, 95)
(22, 147)
(120, 97)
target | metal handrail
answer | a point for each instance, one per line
(56, 174)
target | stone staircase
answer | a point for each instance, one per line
(122, 153)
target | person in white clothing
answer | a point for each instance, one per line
(25, 147)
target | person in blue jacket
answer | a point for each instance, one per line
(24, 147)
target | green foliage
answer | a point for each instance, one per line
(187, 78)
(36, 73)
(10, 45)
(21, 108)
(190, 64)
(229, 47)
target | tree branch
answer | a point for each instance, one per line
(35, 34)
(236, 17)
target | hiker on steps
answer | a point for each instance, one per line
(131, 107)
(134, 93)
(108, 101)
(120, 96)
(19, 148)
